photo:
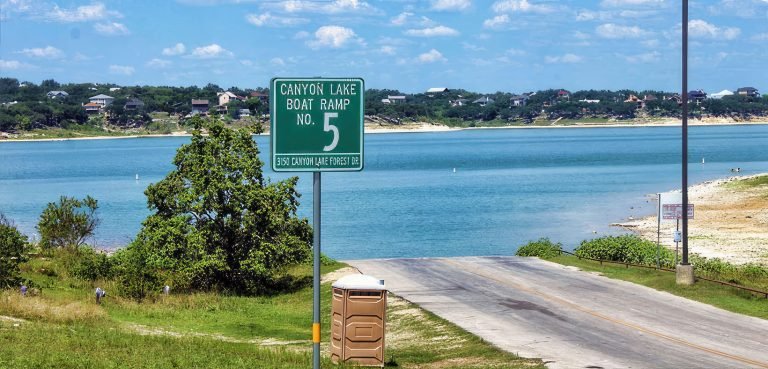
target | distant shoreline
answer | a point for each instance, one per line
(431, 128)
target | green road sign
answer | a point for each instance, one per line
(317, 124)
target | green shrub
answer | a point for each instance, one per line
(625, 248)
(68, 223)
(13, 247)
(542, 248)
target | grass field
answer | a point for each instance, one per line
(724, 297)
(64, 328)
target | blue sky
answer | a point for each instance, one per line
(483, 46)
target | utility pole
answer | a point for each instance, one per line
(685, 270)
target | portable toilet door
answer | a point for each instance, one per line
(358, 320)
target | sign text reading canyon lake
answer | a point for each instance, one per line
(317, 124)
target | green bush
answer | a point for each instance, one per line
(13, 247)
(68, 223)
(542, 248)
(625, 248)
(83, 263)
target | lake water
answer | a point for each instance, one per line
(509, 185)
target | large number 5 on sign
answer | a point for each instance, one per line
(327, 126)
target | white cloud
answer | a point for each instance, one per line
(111, 29)
(12, 64)
(496, 22)
(581, 35)
(472, 47)
(451, 4)
(278, 62)
(698, 28)
(615, 31)
(565, 59)
(387, 49)
(650, 43)
(523, 6)
(333, 37)
(637, 13)
(650, 57)
(622, 3)
(323, 7)
(760, 36)
(210, 52)
(177, 49)
(588, 15)
(49, 52)
(401, 18)
(158, 63)
(432, 32)
(270, 20)
(121, 69)
(84, 13)
(430, 56)
(515, 52)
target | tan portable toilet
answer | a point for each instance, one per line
(358, 317)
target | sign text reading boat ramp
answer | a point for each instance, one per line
(317, 124)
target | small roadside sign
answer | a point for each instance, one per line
(316, 124)
(675, 211)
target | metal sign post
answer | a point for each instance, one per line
(316, 126)
(685, 128)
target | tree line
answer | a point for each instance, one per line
(26, 106)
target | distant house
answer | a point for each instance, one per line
(133, 104)
(102, 99)
(633, 99)
(674, 97)
(458, 102)
(264, 98)
(697, 96)
(92, 108)
(57, 94)
(199, 107)
(483, 101)
(243, 113)
(564, 94)
(113, 89)
(721, 94)
(386, 101)
(518, 100)
(748, 91)
(589, 101)
(396, 98)
(226, 97)
(437, 90)
(648, 98)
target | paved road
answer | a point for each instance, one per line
(574, 319)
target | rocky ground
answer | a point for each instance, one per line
(731, 222)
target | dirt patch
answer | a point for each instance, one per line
(154, 331)
(731, 222)
(335, 275)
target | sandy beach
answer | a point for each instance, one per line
(731, 222)
(422, 127)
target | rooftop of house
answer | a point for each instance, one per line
(483, 100)
(199, 102)
(101, 96)
(437, 89)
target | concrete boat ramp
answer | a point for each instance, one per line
(571, 318)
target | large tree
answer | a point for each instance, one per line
(217, 222)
